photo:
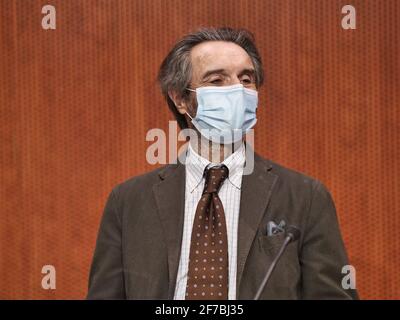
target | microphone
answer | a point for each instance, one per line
(292, 234)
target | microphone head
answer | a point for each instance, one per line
(293, 232)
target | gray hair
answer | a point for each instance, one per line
(176, 71)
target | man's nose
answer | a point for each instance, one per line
(234, 80)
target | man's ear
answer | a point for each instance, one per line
(180, 103)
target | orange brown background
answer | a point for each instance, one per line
(77, 102)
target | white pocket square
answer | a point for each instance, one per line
(274, 229)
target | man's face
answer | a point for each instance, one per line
(217, 63)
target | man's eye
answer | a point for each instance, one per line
(246, 80)
(216, 81)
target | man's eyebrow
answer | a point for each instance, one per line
(211, 72)
(250, 71)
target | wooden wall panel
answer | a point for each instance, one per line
(76, 103)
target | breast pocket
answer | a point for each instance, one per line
(271, 243)
(285, 279)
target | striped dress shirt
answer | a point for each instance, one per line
(230, 197)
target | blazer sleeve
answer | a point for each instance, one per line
(323, 253)
(106, 278)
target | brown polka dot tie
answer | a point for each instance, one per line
(208, 259)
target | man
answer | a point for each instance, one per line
(206, 228)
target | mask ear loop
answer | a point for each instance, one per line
(189, 89)
(189, 115)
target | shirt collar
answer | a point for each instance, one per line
(195, 165)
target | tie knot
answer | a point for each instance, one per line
(215, 176)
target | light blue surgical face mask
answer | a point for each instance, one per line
(225, 114)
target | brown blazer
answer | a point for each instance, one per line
(138, 246)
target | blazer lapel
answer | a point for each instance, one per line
(256, 192)
(170, 199)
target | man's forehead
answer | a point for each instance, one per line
(219, 54)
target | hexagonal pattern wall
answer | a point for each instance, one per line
(76, 104)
